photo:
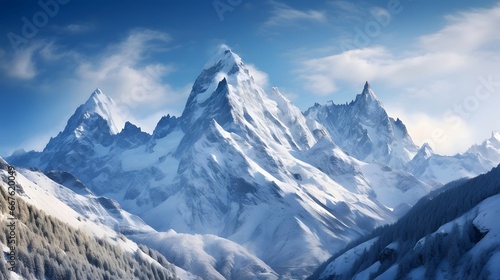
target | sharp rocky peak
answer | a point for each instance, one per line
(425, 151)
(104, 106)
(367, 95)
(224, 73)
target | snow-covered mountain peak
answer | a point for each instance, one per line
(223, 64)
(224, 56)
(101, 104)
(425, 151)
(368, 97)
(364, 130)
(489, 149)
(224, 87)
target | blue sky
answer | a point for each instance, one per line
(433, 64)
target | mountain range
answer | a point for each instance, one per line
(242, 185)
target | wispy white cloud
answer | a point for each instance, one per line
(283, 15)
(74, 28)
(20, 64)
(347, 10)
(123, 72)
(440, 75)
(261, 78)
(466, 32)
(377, 63)
(51, 52)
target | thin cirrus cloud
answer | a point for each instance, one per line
(21, 63)
(283, 15)
(466, 31)
(74, 28)
(463, 43)
(439, 76)
(375, 63)
(77, 28)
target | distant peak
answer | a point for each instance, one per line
(425, 151)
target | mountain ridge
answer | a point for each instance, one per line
(248, 166)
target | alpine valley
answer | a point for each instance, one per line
(242, 185)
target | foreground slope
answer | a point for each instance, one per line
(448, 235)
(41, 246)
(104, 218)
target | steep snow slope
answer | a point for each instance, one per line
(448, 235)
(104, 218)
(45, 195)
(363, 129)
(391, 187)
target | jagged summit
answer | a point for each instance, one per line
(425, 151)
(364, 129)
(368, 96)
(226, 74)
(489, 149)
(103, 105)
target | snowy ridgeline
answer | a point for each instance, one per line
(243, 180)
(448, 235)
